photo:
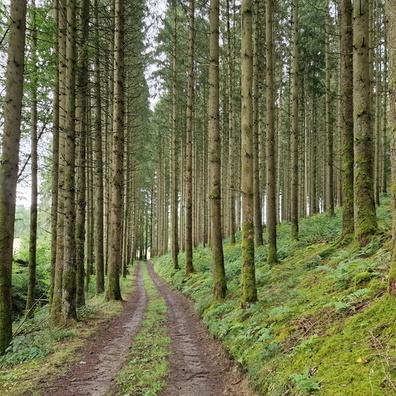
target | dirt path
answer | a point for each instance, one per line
(105, 354)
(198, 365)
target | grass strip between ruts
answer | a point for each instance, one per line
(147, 365)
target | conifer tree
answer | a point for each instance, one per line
(391, 39)
(219, 280)
(249, 289)
(365, 215)
(9, 161)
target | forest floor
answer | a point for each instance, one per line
(198, 365)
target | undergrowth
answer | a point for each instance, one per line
(147, 366)
(39, 351)
(323, 324)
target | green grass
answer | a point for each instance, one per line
(147, 366)
(323, 324)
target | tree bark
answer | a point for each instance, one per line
(189, 143)
(69, 312)
(98, 173)
(31, 292)
(391, 39)
(219, 280)
(346, 109)
(365, 216)
(271, 160)
(258, 221)
(9, 162)
(294, 126)
(82, 139)
(113, 290)
(329, 122)
(249, 289)
(174, 155)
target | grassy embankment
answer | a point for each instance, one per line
(323, 323)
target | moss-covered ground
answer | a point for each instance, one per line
(323, 324)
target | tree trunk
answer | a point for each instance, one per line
(365, 216)
(69, 312)
(189, 143)
(113, 290)
(219, 280)
(58, 170)
(55, 159)
(391, 39)
(271, 160)
(346, 109)
(98, 162)
(249, 290)
(82, 132)
(329, 122)
(231, 128)
(294, 125)
(258, 221)
(174, 157)
(30, 301)
(9, 162)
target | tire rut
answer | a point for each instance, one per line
(199, 366)
(106, 353)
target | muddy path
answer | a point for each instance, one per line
(198, 365)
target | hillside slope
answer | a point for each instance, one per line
(323, 323)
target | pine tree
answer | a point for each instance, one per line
(9, 161)
(249, 289)
(365, 216)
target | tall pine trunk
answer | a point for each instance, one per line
(365, 216)
(391, 39)
(189, 143)
(329, 199)
(294, 126)
(174, 199)
(69, 312)
(271, 158)
(98, 163)
(30, 301)
(249, 289)
(346, 109)
(82, 139)
(258, 221)
(9, 162)
(219, 280)
(113, 290)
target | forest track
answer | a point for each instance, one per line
(106, 351)
(199, 366)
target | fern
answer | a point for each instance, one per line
(356, 295)
(340, 306)
(305, 383)
(341, 275)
